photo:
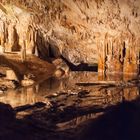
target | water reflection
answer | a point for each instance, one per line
(97, 95)
(116, 77)
(21, 97)
(96, 99)
(81, 112)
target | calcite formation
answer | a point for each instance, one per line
(119, 54)
(82, 31)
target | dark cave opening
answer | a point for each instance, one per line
(54, 53)
(81, 67)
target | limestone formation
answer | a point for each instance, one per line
(28, 80)
(61, 68)
(82, 31)
(59, 72)
(1, 49)
(11, 75)
(120, 55)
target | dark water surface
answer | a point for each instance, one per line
(52, 86)
(81, 112)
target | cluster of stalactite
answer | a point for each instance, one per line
(119, 54)
(13, 38)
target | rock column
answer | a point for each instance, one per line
(119, 55)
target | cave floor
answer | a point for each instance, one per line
(61, 109)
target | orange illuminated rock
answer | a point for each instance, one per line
(105, 32)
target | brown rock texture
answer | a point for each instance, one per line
(83, 31)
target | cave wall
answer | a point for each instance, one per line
(17, 32)
(13, 27)
(119, 54)
(83, 31)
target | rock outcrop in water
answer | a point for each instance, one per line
(82, 31)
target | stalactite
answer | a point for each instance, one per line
(101, 59)
(10, 38)
(30, 40)
(2, 37)
(121, 56)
